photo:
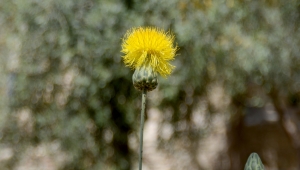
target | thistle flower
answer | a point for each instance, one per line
(149, 47)
(148, 51)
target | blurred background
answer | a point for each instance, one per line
(67, 100)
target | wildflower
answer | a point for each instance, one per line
(148, 51)
(150, 48)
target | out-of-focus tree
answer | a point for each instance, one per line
(69, 77)
(66, 78)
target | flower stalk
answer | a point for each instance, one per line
(144, 95)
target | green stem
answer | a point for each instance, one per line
(142, 128)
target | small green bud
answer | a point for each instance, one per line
(254, 163)
(144, 78)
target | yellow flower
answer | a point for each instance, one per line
(149, 47)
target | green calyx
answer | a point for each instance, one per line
(144, 78)
(254, 163)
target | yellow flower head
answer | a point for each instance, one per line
(149, 47)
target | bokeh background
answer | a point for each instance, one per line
(67, 101)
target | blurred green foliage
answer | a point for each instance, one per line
(62, 62)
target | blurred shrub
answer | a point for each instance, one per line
(69, 73)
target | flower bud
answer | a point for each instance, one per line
(254, 163)
(144, 78)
